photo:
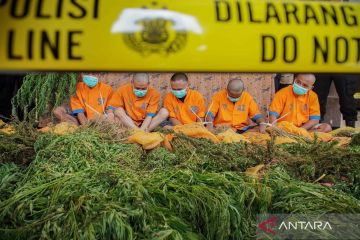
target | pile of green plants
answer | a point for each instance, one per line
(204, 155)
(323, 162)
(18, 147)
(93, 185)
(41, 92)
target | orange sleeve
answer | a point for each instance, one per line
(314, 108)
(76, 105)
(277, 104)
(116, 100)
(202, 107)
(254, 112)
(169, 106)
(153, 104)
(214, 106)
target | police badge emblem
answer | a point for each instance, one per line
(158, 31)
(157, 36)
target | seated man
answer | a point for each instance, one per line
(135, 104)
(182, 105)
(88, 103)
(299, 105)
(233, 107)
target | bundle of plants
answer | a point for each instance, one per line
(321, 162)
(355, 140)
(10, 175)
(159, 158)
(66, 192)
(217, 205)
(41, 92)
(351, 189)
(111, 132)
(74, 205)
(202, 154)
(293, 196)
(18, 146)
(87, 146)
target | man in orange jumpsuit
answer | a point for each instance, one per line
(135, 104)
(232, 107)
(182, 105)
(88, 103)
(299, 105)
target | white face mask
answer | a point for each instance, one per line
(299, 90)
(232, 99)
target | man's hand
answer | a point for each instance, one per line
(310, 124)
(210, 126)
(222, 128)
(146, 123)
(262, 124)
(175, 122)
(273, 119)
(262, 127)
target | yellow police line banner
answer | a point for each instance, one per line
(179, 35)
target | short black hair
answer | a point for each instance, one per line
(179, 76)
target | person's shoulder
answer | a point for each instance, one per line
(105, 86)
(124, 88)
(284, 91)
(168, 96)
(247, 95)
(80, 86)
(247, 98)
(153, 91)
(220, 93)
(195, 93)
(219, 96)
(312, 94)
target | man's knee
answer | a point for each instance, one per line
(120, 112)
(325, 127)
(59, 112)
(163, 113)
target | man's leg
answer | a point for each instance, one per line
(62, 115)
(124, 118)
(346, 87)
(322, 127)
(322, 88)
(161, 116)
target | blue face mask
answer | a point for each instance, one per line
(90, 81)
(299, 90)
(179, 93)
(140, 93)
(234, 100)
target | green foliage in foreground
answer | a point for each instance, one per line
(91, 186)
(41, 92)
